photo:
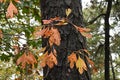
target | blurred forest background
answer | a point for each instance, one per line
(16, 33)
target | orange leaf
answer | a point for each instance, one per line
(40, 33)
(86, 34)
(49, 60)
(11, 10)
(47, 21)
(26, 59)
(18, 1)
(72, 59)
(80, 64)
(55, 37)
(1, 34)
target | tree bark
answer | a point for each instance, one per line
(107, 42)
(71, 40)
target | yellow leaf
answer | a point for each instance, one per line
(68, 11)
(80, 64)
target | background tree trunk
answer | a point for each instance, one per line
(71, 40)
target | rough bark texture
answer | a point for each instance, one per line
(71, 40)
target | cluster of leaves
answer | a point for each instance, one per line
(51, 32)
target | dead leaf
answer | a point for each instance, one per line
(18, 1)
(1, 34)
(80, 64)
(55, 37)
(11, 10)
(49, 60)
(68, 11)
(47, 21)
(16, 49)
(72, 59)
(26, 58)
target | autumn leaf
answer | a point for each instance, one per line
(86, 34)
(55, 37)
(80, 64)
(1, 34)
(47, 21)
(16, 49)
(43, 59)
(72, 59)
(18, 1)
(49, 60)
(26, 58)
(83, 31)
(11, 10)
(68, 11)
(92, 65)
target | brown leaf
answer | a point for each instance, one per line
(26, 59)
(55, 37)
(80, 64)
(16, 49)
(1, 34)
(49, 60)
(72, 59)
(11, 10)
(47, 21)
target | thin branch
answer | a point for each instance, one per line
(92, 21)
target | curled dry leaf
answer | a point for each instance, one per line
(26, 58)
(83, 31)
(49, 60)
(80, 64)
(72, 59)
(55, 37)
(11, 10)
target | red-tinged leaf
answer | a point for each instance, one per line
(80, 64)
(11, 10)
(83, 29)
(86, 34)
(47, 21)
(72, 59)
(18, 1)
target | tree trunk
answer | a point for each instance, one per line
(71, 40)
(107, 42)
